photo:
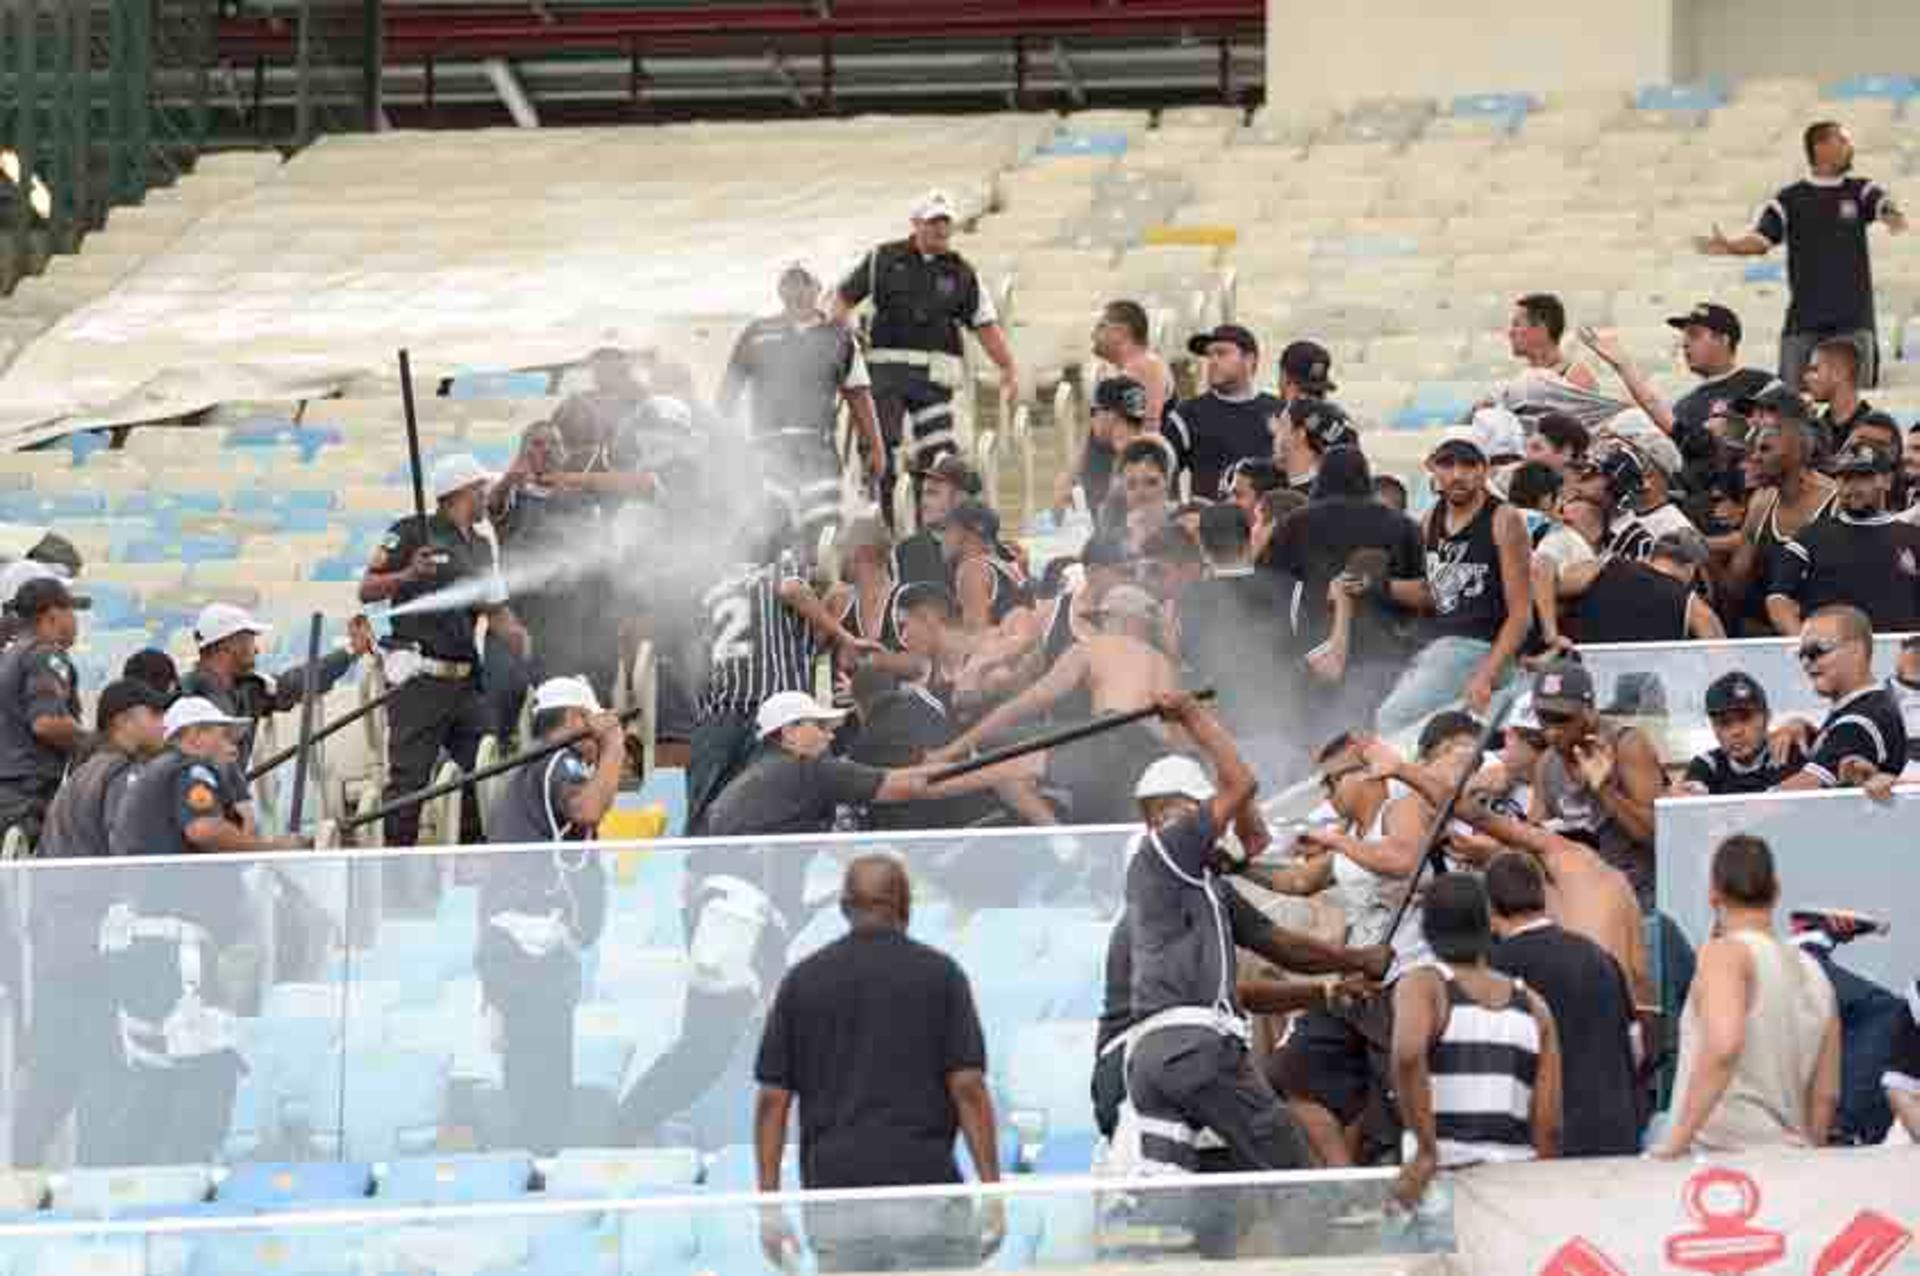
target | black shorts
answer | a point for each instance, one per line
(1338, 1060)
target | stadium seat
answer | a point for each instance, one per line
(465, 1179)
(1680, 97)
(613, 1172)
(1438, 403)
(99, 1256)
(114, 1190)
(270, 1185)
(1898, 88)
(499, 385)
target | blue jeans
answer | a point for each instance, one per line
(1796, 352)
(1434, 681)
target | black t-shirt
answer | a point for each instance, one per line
(1871, 563)
(439, 635)
(1903, 1062)
(1823, 222)
(1713, 397)
(919, 560)
(793, 372)
(1250, 929)
(1834, 430)
(1630, 602)
(1593, 1010)
(1464, 573)
(1237, 637)
(779, 793)
(1720, 775)
(1313, 547)
(1867, 724)
(1210, 433)
(865, 1033)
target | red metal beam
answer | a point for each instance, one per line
(413, 33)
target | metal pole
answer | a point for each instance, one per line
(308, 706)
(413, 442)
(1051, 740)
(1441, 818)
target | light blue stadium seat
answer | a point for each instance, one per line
(1437, 403)
(115, 606)
(1047, 1066)
(463, 1179)
(1765, 272)
(499, 385)
(338, 567)
(273, 1185)
(1072, 142)
(96, 1256)
(1856, 88)
(1680, 97)
(263, 500)
(304, 1251)
(600, 1173)
(88, 443)
(175, 502)
(596, 1251)
(55, 506)
(394, 1099)
(110, 1190)
(1495, 105)
(187, 549)
(667, 786)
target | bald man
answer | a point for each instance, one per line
(877, 1037)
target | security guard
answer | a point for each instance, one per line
(228, 638)
(923, 294)
(40, 731)
(543, 906)
(181, 955)
(431, 655)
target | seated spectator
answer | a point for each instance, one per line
(1859, 556)
(1620, 599)
(1592, 1006)
(1759, 1039)
(1557, 441)
(1476, 1055)
(1744, 760)
(1864, 739)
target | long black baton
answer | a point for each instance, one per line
(1441, 818)
(413, 441)
(1052, 740)
(308, 702)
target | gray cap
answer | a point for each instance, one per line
(1682, 545)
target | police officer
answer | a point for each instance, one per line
(541, 908)
(40, 731)
(226, 673)
(181, 957)
(923, 295)
(431, 655)
(72, 1046)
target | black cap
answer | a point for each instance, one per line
(1777, 399)
(1712, 317)
(1228, 332)
(44, 594)
(1106, 551)
(1736, 692)
(1564, 686)
(119, 697)
(976, 518)
(1123, 395)
(950, 467)
(1875, 417)
(1863, 458)
(1308, 365)
(1325, 422)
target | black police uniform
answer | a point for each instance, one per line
(179, 959)
(535, 985)
(37, 681)
(439, 708)
(920, 303)
(795, 373)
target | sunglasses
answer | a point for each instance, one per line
(1815, 650)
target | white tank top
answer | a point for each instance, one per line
(1369, 901)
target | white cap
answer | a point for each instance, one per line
(785, 708)
(196, 711)
(935, 203)
(1174, 776)
(456, 473)
(1635, 427)
(565, 693)
(1499, 433)
(224, 620)
(14, 575)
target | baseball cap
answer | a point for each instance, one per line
(950, 467)
(1777, 399)
(934, 204)
(1128, 600)
(1306, 364)
(1232, 333)
(17, 574)
(1123, 395)
(976, 518)
(788, 708)
(122, 696)
(197, 711)
(219, 621)
(1174, 776)
(565, 693)
(456, 473)
(1712, 317)
(1564, 686)
(1862, 458)
(1682, 545)
(1325, 422)
(1460, 442)
(1636, 429)
(44, 593)
(1736, 692)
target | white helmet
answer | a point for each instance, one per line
(1174, 776)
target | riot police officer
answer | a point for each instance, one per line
(228, 638)
(40, 730)
(430, 653)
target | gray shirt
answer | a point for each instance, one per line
(36, 681)
(779, 793)
(1178, 927)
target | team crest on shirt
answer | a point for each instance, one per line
(1849, 211)
(1452, 579)
(1908, 567)
(946, 285)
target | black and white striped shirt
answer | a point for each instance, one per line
(1482, 1071)
(756, 646)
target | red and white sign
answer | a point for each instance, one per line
(1841, 1212)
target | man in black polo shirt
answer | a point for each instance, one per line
(1833, 382)
(1231, 420)
(877, 1038)
(431, 656)
(1860, 555)
(924, 295)
(1743, 762)
(1823, 221)
(1864, 739)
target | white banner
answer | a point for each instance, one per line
(1838, 1212)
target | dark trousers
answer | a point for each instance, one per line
(710, 1031)
(535, 997)
(912, 408)
(426, 717)
(178, 1115)
(1203, 1079)
(721, 745)
(24, 803)
(1869, 1018)
(73, 1066)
